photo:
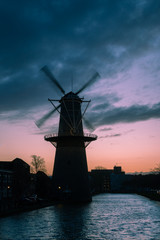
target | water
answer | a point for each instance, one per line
(108, 217)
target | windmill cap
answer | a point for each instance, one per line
(70, 96)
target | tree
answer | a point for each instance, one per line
(156, 169)
(100, 168)
(37, 164)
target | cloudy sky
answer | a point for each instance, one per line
(119, 39)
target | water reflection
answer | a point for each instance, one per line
(109, 216)
(71, 221)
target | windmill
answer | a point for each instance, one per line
(70, 173)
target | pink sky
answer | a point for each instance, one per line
(136, 150)
(119, 40)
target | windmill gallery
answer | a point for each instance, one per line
(70, 174)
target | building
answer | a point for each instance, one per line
(119, 183)
(6, 184)
(20, 176)
(101, 180)
(43, 185)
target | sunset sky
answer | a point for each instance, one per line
(119, 39)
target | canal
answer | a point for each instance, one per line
(107, 217)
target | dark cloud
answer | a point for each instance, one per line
(101, 106)
(111, 136)
(104, 102)
(133, 113)
(105, 129)
(73, 38)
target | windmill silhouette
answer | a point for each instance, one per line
(70, 172)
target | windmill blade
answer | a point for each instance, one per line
(48, 73)
(88, 124)
(92, 79)
(42, 120)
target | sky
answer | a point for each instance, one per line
(118, 39)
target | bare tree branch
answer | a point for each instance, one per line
(37, 164)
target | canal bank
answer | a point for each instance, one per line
(8, 211)
(46, 203)
(151, 195)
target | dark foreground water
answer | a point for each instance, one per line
(109, 216)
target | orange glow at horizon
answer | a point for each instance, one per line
(135, 149)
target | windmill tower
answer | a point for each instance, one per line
(70, 173)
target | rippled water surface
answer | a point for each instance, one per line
(109, 216)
